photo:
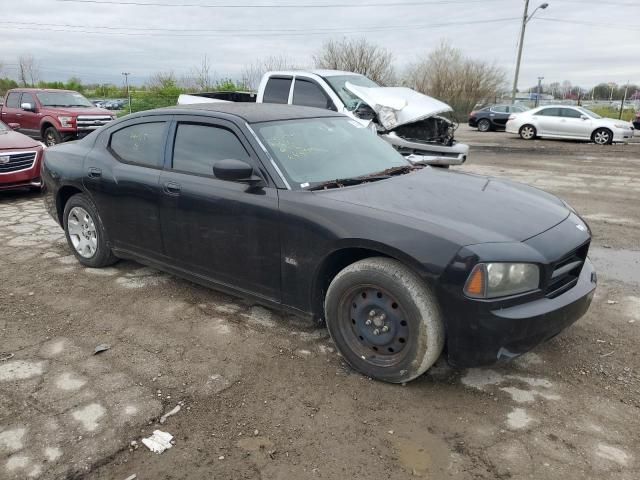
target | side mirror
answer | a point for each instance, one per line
(234, 170)
(28, 107)
(584, 117)
(14, 126)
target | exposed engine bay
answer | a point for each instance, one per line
(430, 130)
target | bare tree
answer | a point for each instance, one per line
(162, 81)
(359, 56)
(461, 82)
(251, 74)
(200, 78)
(29, 70)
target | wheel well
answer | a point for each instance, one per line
(64, 194)
(601, 128)
(44, 127)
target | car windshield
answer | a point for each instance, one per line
(63, 99)
(350, 100)
(589, 113)
(317, 150)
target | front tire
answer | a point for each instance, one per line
(484, 125)
(528, 132)
(602, 136)
(85, 233)
(384, 320)
(51, 137)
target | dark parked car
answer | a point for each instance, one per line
(494, 117)
(636, 122)
(300, 209)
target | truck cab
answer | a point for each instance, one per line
(53, 116)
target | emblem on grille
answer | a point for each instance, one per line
(580, 227)
(4, 160)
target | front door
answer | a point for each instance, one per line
(574, 125)
(30, 119)
(225, 231)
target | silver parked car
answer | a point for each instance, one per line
(577, 123)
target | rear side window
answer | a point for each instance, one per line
(142, 143)
(309, 94)
(277, 90)
(13, 100)
(198, 147)
(499, 109)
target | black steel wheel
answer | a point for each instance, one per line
(52, 137)
(384, 320)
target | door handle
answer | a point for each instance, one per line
(95, 172)
(172, 188)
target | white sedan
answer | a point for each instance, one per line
(576, 123)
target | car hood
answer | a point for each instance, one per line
(398, 106)
(78, 111)
(15, 140)
(473, 208)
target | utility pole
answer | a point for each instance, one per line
(525, 19)
(539, 90)
(626, 89)
(126, 81)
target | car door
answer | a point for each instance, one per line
(11, 111)
(122, 175)
(548, 121)
(30, 119)
(499, 115)
(574, 125)
(222, 230)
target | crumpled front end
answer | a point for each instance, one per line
(412, 123)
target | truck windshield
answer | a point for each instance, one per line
(63, 99)
(316, 150)
(349, 99)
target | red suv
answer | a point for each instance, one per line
(54, 116)
(20, 159)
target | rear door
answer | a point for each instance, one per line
(499, 115)
(225, 231)
(11, 111)
(122, 174)
(548, 121)
(277, 89)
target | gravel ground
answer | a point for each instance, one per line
(263, 396)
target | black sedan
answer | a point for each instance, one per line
(302, 210)
(494, 117)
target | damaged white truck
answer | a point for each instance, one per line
(408, 120)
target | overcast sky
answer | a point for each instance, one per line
(96, 40)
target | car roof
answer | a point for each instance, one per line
(319, 72)
(41, 90)
(251, 112)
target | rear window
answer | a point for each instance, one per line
(142, 143)
(13, 100)
(277, 90)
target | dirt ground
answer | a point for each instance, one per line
(262, 396)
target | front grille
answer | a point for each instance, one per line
(566, 271)
(12, 162)
(91, 122)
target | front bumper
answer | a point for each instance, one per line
(622, 134)
(497, 335)
(428, 153)
(28, 177)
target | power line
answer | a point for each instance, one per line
(591, 24)
(277, 5)
(239, 32)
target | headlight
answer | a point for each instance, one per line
(65, 122)
(621, 125)
(491, 280)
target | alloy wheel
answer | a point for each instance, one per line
(602, 137)
(527, 132)
(82, 232)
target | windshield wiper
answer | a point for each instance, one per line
(345, 182)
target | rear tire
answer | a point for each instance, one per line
(85, 233)
(384, 320)
(527, 132)
(602, 136)
(484, 125)
(51, 137)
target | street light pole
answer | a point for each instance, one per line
(525, 19)
(126, 81)
(539, 90)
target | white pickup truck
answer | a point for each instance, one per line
(408, 120)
